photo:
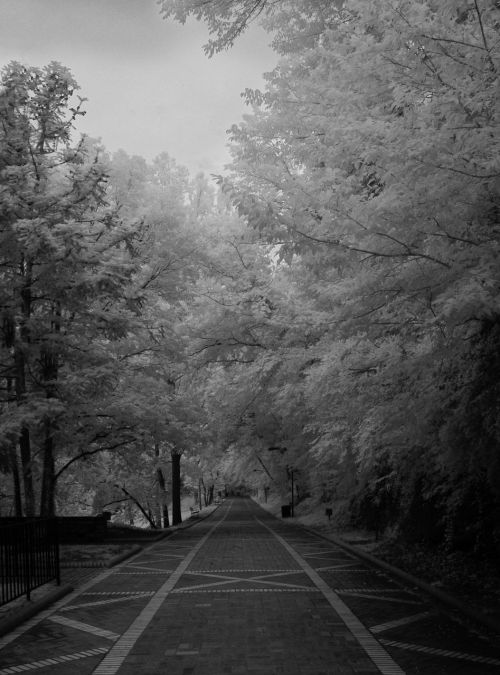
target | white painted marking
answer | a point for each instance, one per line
(342, 568)
(165, 556)
(34, 665)
(168, 551)
(321, 554)
(363, 589)
(305, 589)
(224, 580)
(117, 593)
(110, 601)
(383, 598)
(381, 627)
(148, 569)
(119, 652)
(142, 574)
(56, 607)
(193, 571)
(86, 627)
(341, 553)
(441, 652)
(373, 649)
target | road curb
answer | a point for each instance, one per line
(27, 611)
(431, 590)
(190, 522)
(439, 595)
(123, 556)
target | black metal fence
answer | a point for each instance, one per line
(29, 556)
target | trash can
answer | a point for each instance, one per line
(286, 511)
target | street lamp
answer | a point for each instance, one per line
(290, 472)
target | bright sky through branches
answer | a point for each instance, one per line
(149, 84)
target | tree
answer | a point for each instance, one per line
(99, 258)
(228, 19)
(369, 167)
(65, 264)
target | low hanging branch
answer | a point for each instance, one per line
(137, 503)
(116, 501)
(89, 453)
(264, 467)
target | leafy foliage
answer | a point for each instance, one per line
(369, 170)
(330, 311)
(89, 349)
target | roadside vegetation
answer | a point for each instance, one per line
(325, 315)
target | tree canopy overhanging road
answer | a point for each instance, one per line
(326, 310)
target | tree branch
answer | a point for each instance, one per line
(379, 254)
(138, 504)
(480, 19)
(89, 453)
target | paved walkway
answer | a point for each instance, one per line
(241, 593)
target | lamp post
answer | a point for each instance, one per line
(290, 472)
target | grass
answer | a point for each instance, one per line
(91, 553)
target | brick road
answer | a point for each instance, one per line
(241, 593)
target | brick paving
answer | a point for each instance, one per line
(244, 593)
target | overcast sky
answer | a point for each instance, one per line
(149, 84)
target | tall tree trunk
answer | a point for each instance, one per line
(50, 370)
(24, 436)
(25, 270)
(16, 481)
(163, 497)
(162, 486)
(14, 466)
(29, 493)
(166, 519)
(205, 493)
(176, 488)
(47, 497)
